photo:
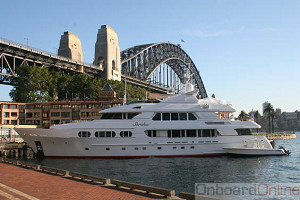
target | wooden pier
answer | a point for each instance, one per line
(278, 136)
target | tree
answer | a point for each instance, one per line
(269, 109)
(272, 115)
(256, 116)
(34, 84)
(37, 84)
(242, 115)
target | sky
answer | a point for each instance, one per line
(247, 51)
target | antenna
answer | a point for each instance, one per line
(124, 98)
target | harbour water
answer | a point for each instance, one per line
(181, 174)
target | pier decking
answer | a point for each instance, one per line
(20, 183)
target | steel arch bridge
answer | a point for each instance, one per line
(143, 61)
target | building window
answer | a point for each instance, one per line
(76, 106)
(55, 121)
(65, 114)
(66, 106)
(5, 106)
(46, 107)
(6, 114)
(55, 106)
(75, 114)
(5, 121)
(84, 134)
(21, 107)
(55, 114)
(125, 133)
(29, 115)
(13, 106)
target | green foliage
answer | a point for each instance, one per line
(36, 84)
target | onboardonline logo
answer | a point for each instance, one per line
(249, 190)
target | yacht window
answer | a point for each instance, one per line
(200, 133)
(144, 148)
(157, 117)
(182, 133)
(174, 147)
(105, 134)
(84, 134)
(182, 147)
(159, 148)
(169, 133)
(175, 133)
(192, 116)
(107, 149)
(174, 116)
(123, 148)
(183, 116)
(206, 133)
(243, 131)
(131, 115)
(117, 116)
(125, 133)
(166, 116)
(107, 116)
(192, 147)
(191, 133)
(151, 133)
(137, 107)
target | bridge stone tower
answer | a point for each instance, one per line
(70, 47)
(107, 53)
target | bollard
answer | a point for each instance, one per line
(67, 174)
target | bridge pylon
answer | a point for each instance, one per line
(107, 53)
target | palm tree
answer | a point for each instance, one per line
(268, 109)
(256, 116)
(242, 115)
(273, 114)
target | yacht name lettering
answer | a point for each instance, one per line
(140, 124)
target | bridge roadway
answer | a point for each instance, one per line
(13, 55)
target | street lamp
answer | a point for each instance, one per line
(26, 42)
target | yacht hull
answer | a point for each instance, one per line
(54, 145)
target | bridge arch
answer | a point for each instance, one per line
(142, 60)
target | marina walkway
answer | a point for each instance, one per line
(22, 184)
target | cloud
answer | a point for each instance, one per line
(206, 34)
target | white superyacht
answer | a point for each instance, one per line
(181, 125)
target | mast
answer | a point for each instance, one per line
(124, 98)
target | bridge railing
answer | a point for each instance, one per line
(44, 53)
